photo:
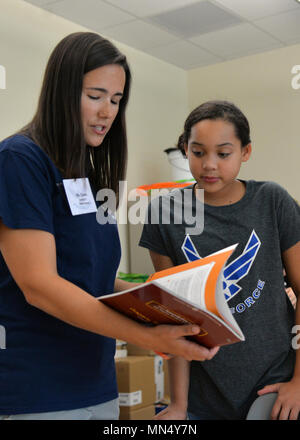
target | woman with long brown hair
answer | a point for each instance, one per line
(55, 258)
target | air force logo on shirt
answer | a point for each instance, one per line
(234, 271)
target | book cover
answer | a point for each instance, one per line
(191, 293)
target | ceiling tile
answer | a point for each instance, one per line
(184, 54)
(194, 19)
(238, 40)
(285, 27)
(187, 33)
(143, 8)
(139, 34)
(94, 14)
(255, 9)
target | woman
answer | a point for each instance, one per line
(54, 261)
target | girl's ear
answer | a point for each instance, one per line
(246, 152)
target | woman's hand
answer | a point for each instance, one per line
(171, 339)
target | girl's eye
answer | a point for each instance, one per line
(224, 155)
(93, 97)
(198, 153)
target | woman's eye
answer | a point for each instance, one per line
(93, 97)
(224, 155)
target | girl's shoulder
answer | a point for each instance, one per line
(266, 187)
(265, 192)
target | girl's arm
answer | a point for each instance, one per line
(179, 377)
(179, 372)
(179, 368)
(121, 285)
(31, 258)
(287, 405)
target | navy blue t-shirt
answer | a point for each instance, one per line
(49, 365)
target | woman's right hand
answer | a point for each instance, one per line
(171, 339)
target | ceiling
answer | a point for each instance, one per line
(188, 33)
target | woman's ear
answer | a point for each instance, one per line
(246, 152)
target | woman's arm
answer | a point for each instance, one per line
(31, 258)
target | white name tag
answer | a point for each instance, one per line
(80, 196)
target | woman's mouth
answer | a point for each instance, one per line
(99, 129)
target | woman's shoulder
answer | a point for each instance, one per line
(23, 147)
(19, 143)
(23, 153)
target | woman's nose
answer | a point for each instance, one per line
(106, 109)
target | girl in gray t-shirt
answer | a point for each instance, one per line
(264, 219)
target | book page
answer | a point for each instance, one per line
(189, 284)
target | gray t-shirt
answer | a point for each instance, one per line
(265, 223)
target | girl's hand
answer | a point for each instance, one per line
(172, 412)
(287, 404)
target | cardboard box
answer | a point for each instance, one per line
(146, 413)
(136, 381)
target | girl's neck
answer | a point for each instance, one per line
(227, 196)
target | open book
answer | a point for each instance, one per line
(185, 294)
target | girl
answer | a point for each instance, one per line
(265, 221)
(59, 356)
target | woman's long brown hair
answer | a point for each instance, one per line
(57, 128)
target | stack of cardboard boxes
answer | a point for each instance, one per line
(142, 381)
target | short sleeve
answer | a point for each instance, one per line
(25, 192)
(151, 237)
(288, 217)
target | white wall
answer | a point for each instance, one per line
(261, 86)
(28, 35)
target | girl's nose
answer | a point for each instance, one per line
(209, 163)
